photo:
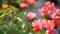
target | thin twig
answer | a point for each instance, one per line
(18, 19)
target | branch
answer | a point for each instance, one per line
(5, 14)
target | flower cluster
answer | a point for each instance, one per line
(54, 20)
(26, 3)
(52, 11)
(43, 23)
(47, 8)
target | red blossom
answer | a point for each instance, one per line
(53, 31)
(30, 15)
(57, 21)
(37, 25)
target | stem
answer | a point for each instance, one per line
(5, 14)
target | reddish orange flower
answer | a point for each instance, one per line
(47, 3)
(36, 28)
(4, 6)
(23, 5)
(57, 21)
(44, 11)
(49, 25)
(44, 21)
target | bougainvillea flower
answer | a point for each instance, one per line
(49, 25)
(23, 5)
(56, 17)
(53, 31)
(52, 7)
(55, 14)
(48, 8)
(57, 21)
(43, 21)
(4, 6)
(47, 3)
(37, 25)
(30, 15)
(32, 2)
(44, 11)
(58, 11)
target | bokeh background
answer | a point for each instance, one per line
(13, 29)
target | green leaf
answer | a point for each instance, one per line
(22, 14)
(1, 11)
(1, 20)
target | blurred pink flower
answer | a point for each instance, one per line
(58, 11)
(49, 25)
(44, 10)
(52, 7)
(23, 5)
(37, 25)
(30, 15)
(55, 14)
